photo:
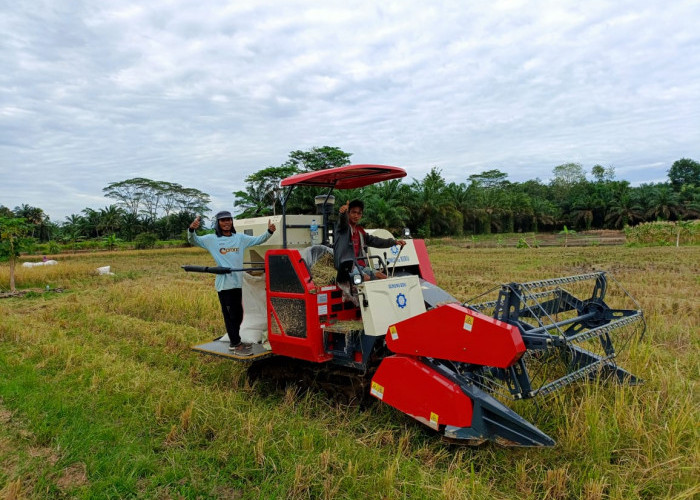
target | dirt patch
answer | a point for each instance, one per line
(5, 416)
(31, 291)
(72, 476)
(228, 492)
(43, 452)
(601, 237)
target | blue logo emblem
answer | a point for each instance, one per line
(401, 300)
(395, 249)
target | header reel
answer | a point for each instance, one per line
(567, 338)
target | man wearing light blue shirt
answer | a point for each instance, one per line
(227, 247)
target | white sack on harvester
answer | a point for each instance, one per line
(254, 325)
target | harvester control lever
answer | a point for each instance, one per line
(218, 270)
(396, 259)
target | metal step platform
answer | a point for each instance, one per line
(220, 348)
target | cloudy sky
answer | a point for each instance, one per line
(205, 93)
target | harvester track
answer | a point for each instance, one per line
(343, 385)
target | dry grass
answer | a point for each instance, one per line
(323, 271)
(101, 396)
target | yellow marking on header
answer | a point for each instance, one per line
(393, 332)
(377, 390)
(468, 322)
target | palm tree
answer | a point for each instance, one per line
(72, 228)
(664, 204)
(522, 210)
(544, 212)
(690, 200)
(429, 203)
(111, 218)
(582, 211)
(388, 214)
(132, 226)
(34, 216)
(512, 204)
(91, 222)
(465, 200)
(256, 201)
(492, 205)
(383, 205)
(624, 210)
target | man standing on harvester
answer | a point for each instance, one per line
(351, 239)
(227, 247)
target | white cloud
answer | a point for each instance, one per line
(204, 94)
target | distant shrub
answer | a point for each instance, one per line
(53, 247)
(145, 240)
(88, 245)
(111, 241)
(30, 246)
(664, 233)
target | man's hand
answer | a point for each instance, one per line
(195, 223)
(270, 226)
(344, 208)
(401, 243)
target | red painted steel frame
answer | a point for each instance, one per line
(417, 390)
(459, 334)
(322, 306)
(424, 267)
(309, 348)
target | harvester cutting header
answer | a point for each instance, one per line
(452, 366)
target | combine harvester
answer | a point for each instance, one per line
(452, 366)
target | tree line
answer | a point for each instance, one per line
(484, 203)
(487, 202)
(143, 206)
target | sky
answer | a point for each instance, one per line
(205, 93)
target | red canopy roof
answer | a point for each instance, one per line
(348, 177)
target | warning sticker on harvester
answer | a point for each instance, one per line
(433, 420)
(468, 322)
(377, 390)
(393, 332)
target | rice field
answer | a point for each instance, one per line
(101, 397)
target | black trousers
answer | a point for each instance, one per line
(232, 308)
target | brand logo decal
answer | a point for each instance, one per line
(397, 285)
(401, 300)
(224, 251)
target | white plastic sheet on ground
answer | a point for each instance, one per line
(35, 264)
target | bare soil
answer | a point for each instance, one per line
(601, 237)
(21, 293)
